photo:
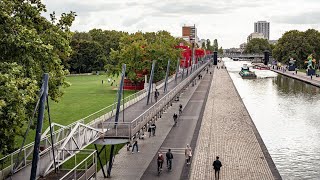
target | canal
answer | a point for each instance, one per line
(286, 113)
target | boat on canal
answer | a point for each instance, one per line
(245, 73)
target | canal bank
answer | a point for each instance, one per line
(300, 76)
(228, 131)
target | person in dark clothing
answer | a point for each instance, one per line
(175, 117)
(156, 95)
(135, 144)
(217, 165)
(153, 129)
(169, 156)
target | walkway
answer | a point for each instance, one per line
(182, 135)
(300, 76)
(129, 166)
(227, 131)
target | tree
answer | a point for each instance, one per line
(138, 50)
(203, 45)
(209, 47)
(220, 51)
(30, 45)
(257, 45)
(87, 56)
(298, 45)
(215, 45)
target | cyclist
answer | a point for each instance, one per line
(180, 109)
(175, 117)
(169, 156)
(160, 160)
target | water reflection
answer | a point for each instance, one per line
(286, 114)
(291, 86)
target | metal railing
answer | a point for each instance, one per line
(7, 163)
(85, 169)
(129, 129)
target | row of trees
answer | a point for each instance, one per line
(91, 50)
(293, 44)
(298, 45)
(138, 50)
(215, 47)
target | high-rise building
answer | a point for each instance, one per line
(190, 32)
(262, 27)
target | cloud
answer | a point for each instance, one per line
(303, 18)
(131, 21)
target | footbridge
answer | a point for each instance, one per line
(97, 128)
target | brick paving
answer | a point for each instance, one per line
(300, 76)
(227, 131)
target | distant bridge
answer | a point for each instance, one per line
(243, 56)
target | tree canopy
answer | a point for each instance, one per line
(30, 45)
(298, 45)
(138, 50)
(257, 45)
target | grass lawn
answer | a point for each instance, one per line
(85, 96)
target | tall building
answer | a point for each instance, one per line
(189, 32)
(255, 35)
(262, 27)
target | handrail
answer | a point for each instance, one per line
(27, 149)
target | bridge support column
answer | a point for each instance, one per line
(150, 81)
(110, 161)
(99, 159)
(166, 79)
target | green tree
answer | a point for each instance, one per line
(220, 51)
(138, 50)
(87, 56)
(208, 45)
(30, 45)
(298, 45)
(257, 45)
(203, 45)
(215, 45)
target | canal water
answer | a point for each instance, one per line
(286, 113)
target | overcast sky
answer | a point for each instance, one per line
(229, 21)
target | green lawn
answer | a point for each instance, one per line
(85, 96)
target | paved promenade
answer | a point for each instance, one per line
(300, 76)
(227, 131)
(128, 166)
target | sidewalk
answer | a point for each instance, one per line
(300, 76)
(128, 166)
(181, 135)
(227, 131)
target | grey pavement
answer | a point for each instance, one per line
(181, 135)
(132, 166)
(228, 131)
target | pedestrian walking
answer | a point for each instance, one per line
(217, 165)
(188, 153)
(150, 131)
(135, 144)
(156, 95)
(175, 117)
(160, 160)
(153, 129)
(169, 156)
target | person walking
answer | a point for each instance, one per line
(135, 144)
(217, 165)
(169, 157)
(188, 153)
(153, 129)
(156, 95)
(175, 117)
(180, 109)
(160, 160)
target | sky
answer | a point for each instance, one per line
(229, 21)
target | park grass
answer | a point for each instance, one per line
(85, 96)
